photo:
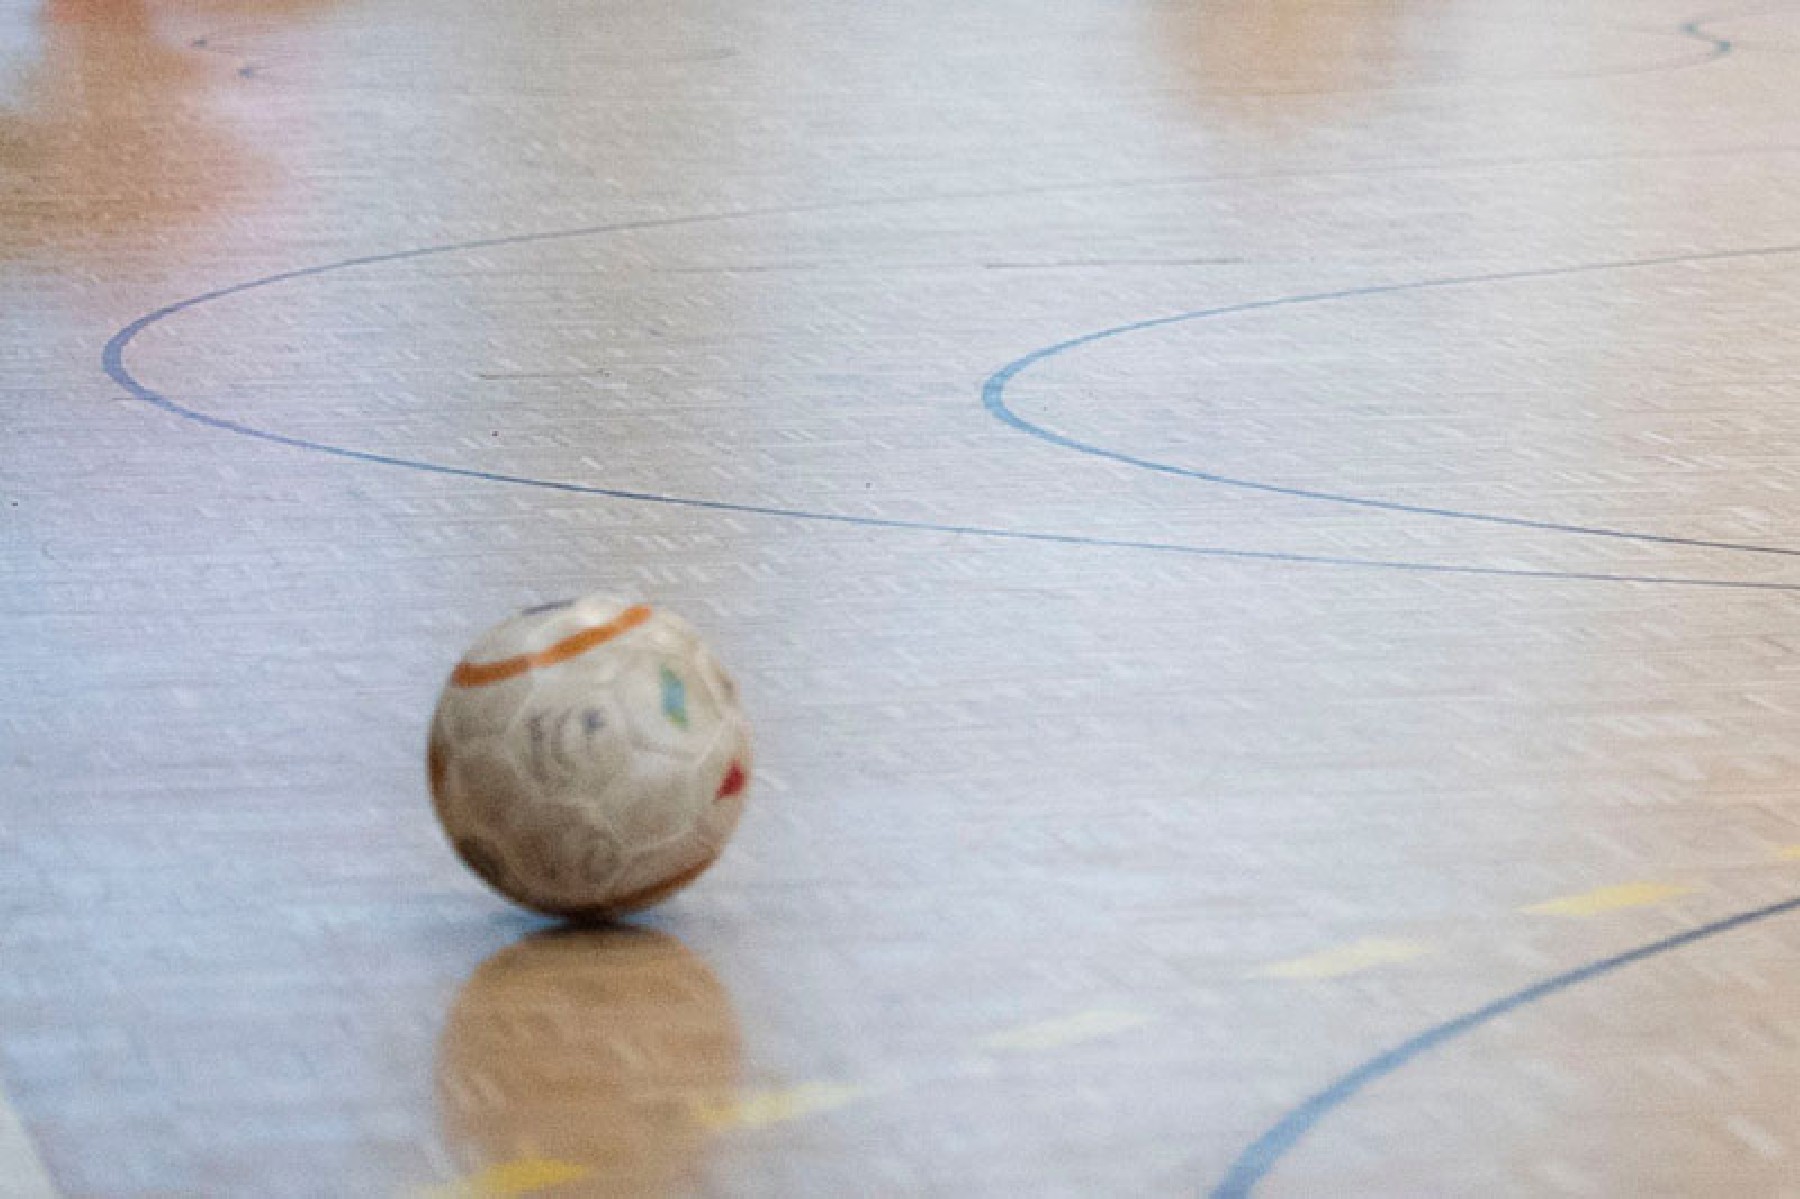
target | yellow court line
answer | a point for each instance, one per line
(22, 1173)
(1353, 958)
(522, 1177)
(758, 1109)
(1608, 899)
(1790, 852)
(1070, 1030)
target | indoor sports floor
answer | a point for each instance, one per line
(1261, 541)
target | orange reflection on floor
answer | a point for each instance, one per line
(585, 1056)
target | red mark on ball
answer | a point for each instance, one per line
(735, 781)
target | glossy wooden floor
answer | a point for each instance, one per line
(1262, 542)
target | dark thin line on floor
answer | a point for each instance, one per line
(995, 399)
(116, 368)
(1263, 1154)
(114, 360)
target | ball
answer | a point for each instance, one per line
(589, 758)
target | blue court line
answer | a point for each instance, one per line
(1255, 1163)
(116, 367)
(995, 399)
(993, 395)
(113, 359)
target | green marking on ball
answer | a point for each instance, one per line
(674, 698)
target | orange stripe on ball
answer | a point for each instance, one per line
(484, 674)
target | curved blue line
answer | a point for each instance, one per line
(113, 360)
(994, 399)
(1255, 1163)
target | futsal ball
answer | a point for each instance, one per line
(589, 758)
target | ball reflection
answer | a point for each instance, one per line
(587, 1056)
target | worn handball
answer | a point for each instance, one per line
(589, 758)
